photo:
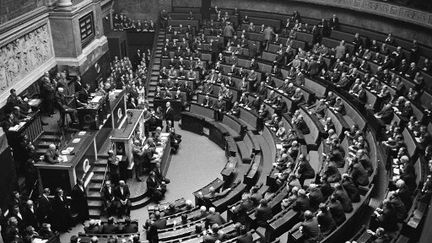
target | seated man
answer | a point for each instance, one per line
(52, 156)
(122, 195)
(155, 187)
(110, 227)
(109, 203)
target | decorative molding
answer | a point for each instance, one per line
(399, 13)
(24, 19)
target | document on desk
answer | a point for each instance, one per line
(63, 158)
(82, 133)
(76, 140)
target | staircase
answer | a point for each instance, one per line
(155, 67)
(95, 185)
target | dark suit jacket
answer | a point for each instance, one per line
(169, 115)
(109, 229)
(131, 228)
(337, 212)
(30, 217)
(44, 209)
(246, 238)
(215, 218)
(152, 184)
(311, 230)
(119, 195)
(263, 214)
(160, 223)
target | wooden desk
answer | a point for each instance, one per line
(32, 128)
(75, 166)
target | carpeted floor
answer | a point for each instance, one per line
(197, 163)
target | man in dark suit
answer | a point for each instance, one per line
(302, 202)
(110, 227)
(325, 220)
(16, 213)
(61, 213)
(169, 113)
(351, 188)
(122, 195)
(79, 201)
(358, 173)
(83, 96)
(159, 223)
(213, 218)
(336, 210)
(263, 213)
(108, 197)
(343, 198)
(29, 215)
(44, 209)
(155, 187)
(245, 236)
(310, 228)
(129, 228)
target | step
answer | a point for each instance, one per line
(99, 169)
(96, 204)
(152, 88)
(98, 177)
(95, 186)
(101, 162)
(151, 94)
(94, 195)
(94, 213)
(43, 144)
(49, 137)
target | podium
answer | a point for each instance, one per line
(131, 127)
(78, 155)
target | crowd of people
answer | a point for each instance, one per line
(121, 22)
(322, 198)
(330, 197)
(26, 220)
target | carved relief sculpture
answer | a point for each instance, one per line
(24, 55)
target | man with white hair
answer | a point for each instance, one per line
(122, 195)
(52, 156)
(213, 218)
